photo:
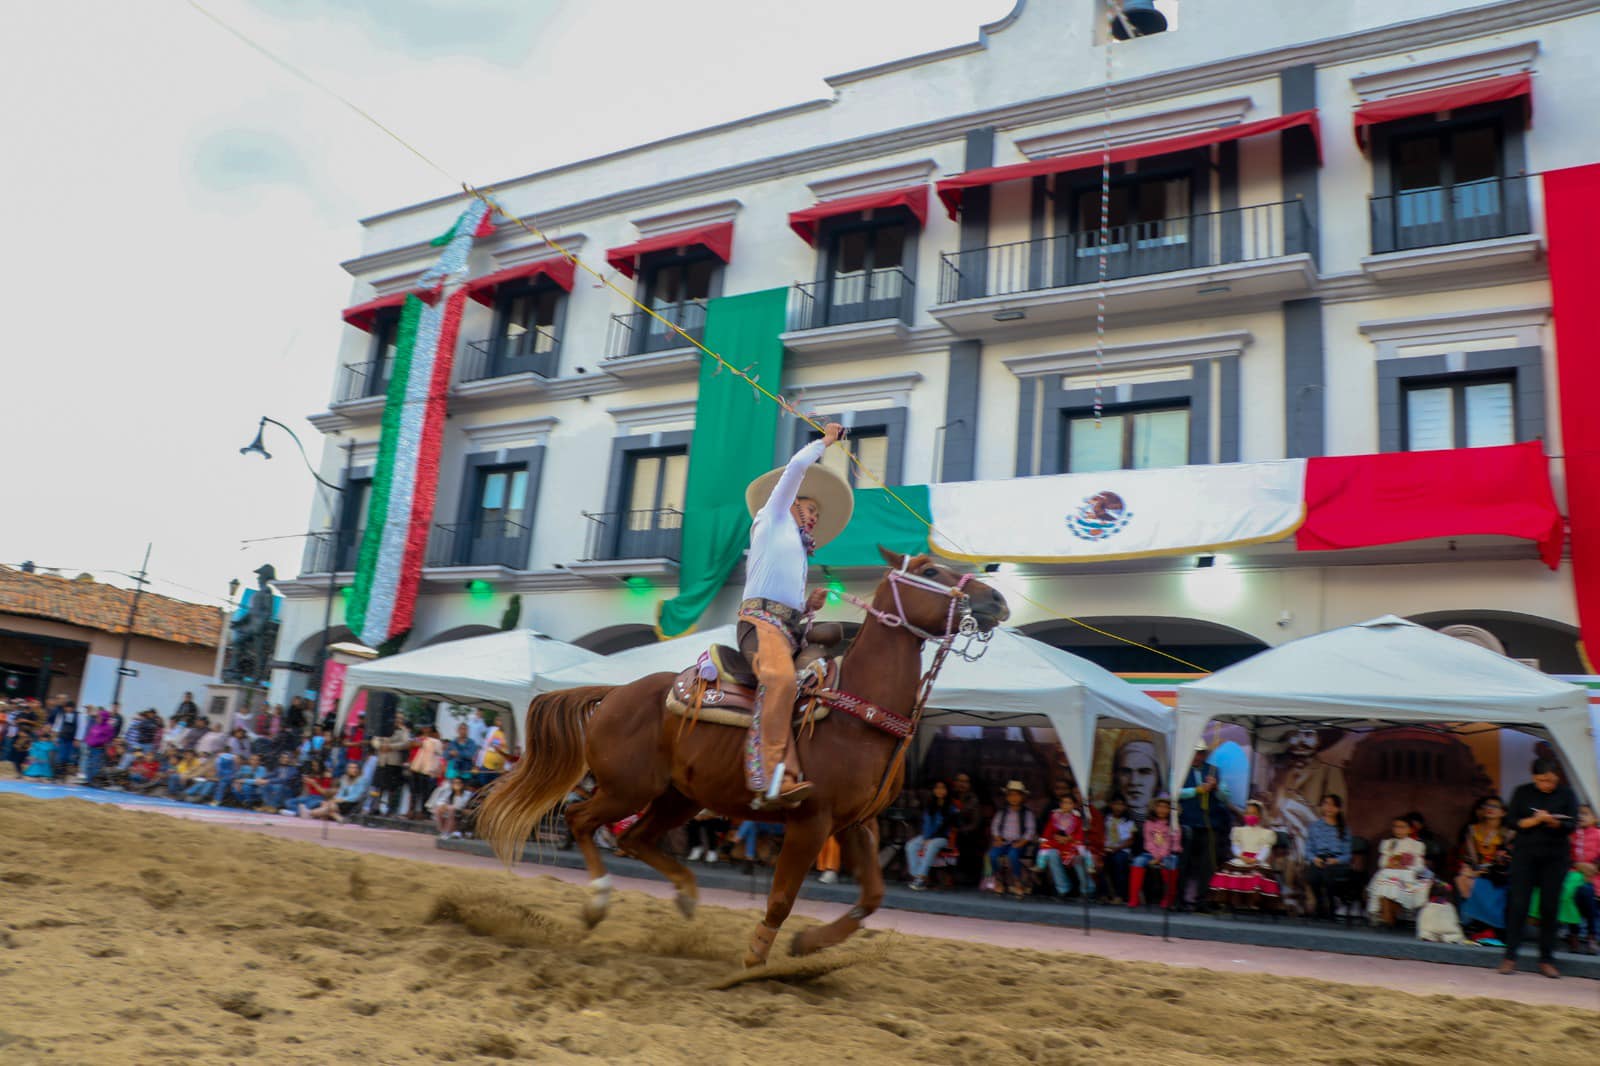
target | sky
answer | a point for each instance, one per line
(177, 207)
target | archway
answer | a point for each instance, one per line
(1541, 643)
(617, 638)
(458, 633)
(1205, 644)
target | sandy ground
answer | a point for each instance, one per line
(137, 937)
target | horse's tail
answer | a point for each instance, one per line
(551, 766)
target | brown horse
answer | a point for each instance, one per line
(646, 760)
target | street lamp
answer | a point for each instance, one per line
(258, 447)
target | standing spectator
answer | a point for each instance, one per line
(41, 758)
(1484, 878)
(1327, 855)
(1010, 833)
(65, 727)
(706, 831)
(187, 710)
(294, 719)
(390, 775)
(1203, 815)
(937, 835)
(1120, 833)
(193, 731)
(101, 732)
(1544, 813)
(446, 804)
(284, 783)
(1061, 845)
(971, 838)
(424, 770)
(21, 744)
(1161, 844)
(492, 755)
(1402, 879)
(144, 734)
(227, 768)
(477, 728)
(461, 754)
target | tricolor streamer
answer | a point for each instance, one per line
(406, 480)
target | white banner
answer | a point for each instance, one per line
(1118, 514)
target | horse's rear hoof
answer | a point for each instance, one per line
(801, 945)
(687, 904)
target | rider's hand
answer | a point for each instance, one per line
(816, 601)
(831, 433)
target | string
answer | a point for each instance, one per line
(534, 230)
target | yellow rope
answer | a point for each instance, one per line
(534, 230)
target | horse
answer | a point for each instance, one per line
(645, 760)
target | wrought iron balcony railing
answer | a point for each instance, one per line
(499, 542)
(654, 534)
(846, 299)
(357, 381)
(637, 333)
(536, 351)
(1456, 214)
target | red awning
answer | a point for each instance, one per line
(1451, 97)
(914, 199)
(558, 269)
(951, 189)
(361, 315)
(716, 239)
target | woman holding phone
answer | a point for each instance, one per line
(1543, 813)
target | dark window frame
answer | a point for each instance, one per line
(505, 299)
(1195, 165)
(619, 478)
(467, 498)
(1458, 384)
(1069, 416)
(889, 422)
(1194, 390)
(385, 333)
(1524, 366)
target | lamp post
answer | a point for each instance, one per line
(256, 447)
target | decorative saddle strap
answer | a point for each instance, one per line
(870, 713)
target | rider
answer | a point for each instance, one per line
(797, 509)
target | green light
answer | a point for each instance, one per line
(835, 590)
(638, 584)
(480, 590)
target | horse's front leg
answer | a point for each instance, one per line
(802, 841)
(859, 845)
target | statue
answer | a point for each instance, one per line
(254, 635)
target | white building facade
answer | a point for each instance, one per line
(1268, 296)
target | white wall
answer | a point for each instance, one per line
(160, 687)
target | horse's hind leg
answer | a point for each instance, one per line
(859, 844)
(643, 841)
(584, 818)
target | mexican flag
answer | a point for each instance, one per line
(1333, 502)
(406, 478)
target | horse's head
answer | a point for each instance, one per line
(933, 598)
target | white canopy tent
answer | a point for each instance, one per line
(1385, 671)
(500, 670)
(1017, 678)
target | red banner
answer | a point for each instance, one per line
(332, 688)
(1356, 501)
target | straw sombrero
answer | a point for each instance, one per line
(831, 492)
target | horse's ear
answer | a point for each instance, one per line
(894, 559)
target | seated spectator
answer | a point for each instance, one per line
(1247, 881)
(937, 835)
(247, 788)
(1433, 846)
(706, 831)
(1060, 845)
(1119, 830)
(314, 747)
(1011, 831)
(1327, 847)
(41, 758)
(1401, 882)
(1161, 843)
(446, 804)
(146, 772)
(316, 785)
(1586, 862)
(282, 784)
(212, 741)
(181, 773)
(1484, 878)
(238, 742)
(347, 801)
(203, 781)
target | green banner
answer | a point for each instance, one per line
(734, 430)
(880, 519)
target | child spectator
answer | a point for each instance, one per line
(1161, 845)
(939, 823)
(446, 805)
(1010, 832)
(423, 770)
(1246, 881)
(1586, 862)
(1120, 830)
(1402, 880)
(41, 758)
(146, 772)
(182, 773)
(1061, 845)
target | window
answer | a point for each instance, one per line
(1127, 439)
(1459, 413)
(357, 495)
(676, 288)
(866, 279)
(385, 330)
(1447, 185)
(653, 504)
(871, 449)
(1143, 213)
(502, 498)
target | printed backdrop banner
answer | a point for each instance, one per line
(1118, 514)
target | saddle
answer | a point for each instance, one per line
(720, 689)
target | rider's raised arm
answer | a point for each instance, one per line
(783, 493)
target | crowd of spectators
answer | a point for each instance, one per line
(279, 760)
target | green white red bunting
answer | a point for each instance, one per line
(406, 480)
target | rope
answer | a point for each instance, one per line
(534, 230)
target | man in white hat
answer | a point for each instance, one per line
(797, 509)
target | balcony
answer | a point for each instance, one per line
(637, 333)
(500, 542)
(320, 547)
(851, 299)
(614, 535)
(1478, 225)
(535, 352)
(1262, 251)
(361, 381)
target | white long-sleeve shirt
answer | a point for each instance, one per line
(778, 563)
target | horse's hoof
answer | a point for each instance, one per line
(593, 915)
(687, 904)
(752, 960)
(801, 945)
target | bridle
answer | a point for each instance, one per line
(959, 623)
